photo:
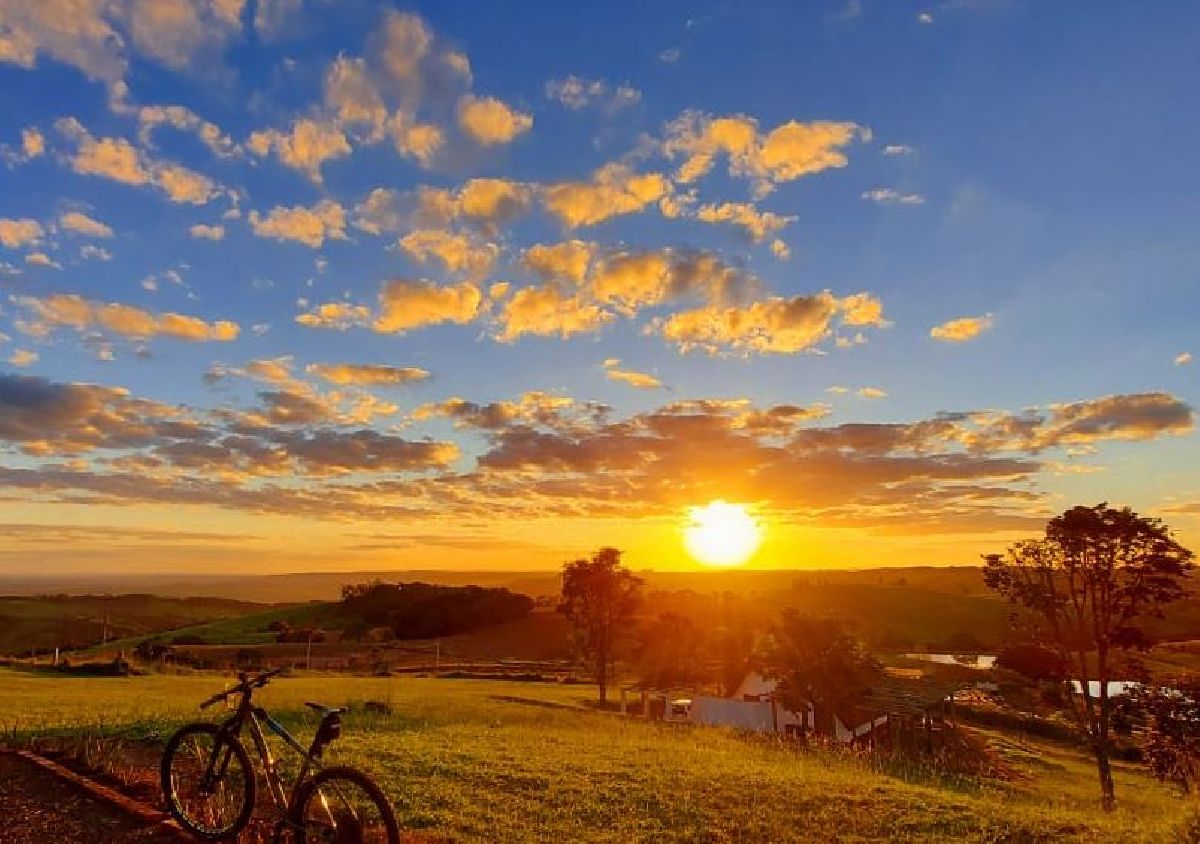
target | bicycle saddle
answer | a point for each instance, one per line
(325, 710)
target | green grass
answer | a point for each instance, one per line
(460, 762)
(50, 621)
(246, 629)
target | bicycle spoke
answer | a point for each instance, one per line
(208, 782)
(340, 812)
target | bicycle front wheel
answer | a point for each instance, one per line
(208, 781)
(341, 805)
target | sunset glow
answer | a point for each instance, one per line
(289, 286)
(722, 535)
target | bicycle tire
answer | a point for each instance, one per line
(299, 809)
(171, 796)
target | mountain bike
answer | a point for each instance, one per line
(210, 785)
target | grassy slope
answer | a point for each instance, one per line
(459, 762)
(59, 621)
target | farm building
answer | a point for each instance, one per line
(900, 707)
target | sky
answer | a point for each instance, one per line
(296, 285)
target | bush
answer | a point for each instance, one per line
(425, 611)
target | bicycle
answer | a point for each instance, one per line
(210, 786)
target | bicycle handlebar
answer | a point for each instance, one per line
(246, 684)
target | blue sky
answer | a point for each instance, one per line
(954, 241)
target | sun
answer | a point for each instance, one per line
(721, 534)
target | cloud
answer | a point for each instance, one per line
(367, 374)
(924, 17)
(41, 259)
(74, 32)
(310, 226)
(566, 261)
(774, 325)
(182, 119)
(306, 147)
(640, 380)
(17, 233)
(890, 196)
(758, 225)
(335, 315)
(207, 232)
(785, 153)
(121, 161)
(898, 149)
(962, 329)
(457, 252)
(405, 305)
(871, 393)
(1183, 358)
(615, 189)
(33, 143)
(548, 311)
(83, 224)
(577, 94)
(22, 358)
(73, 311)
(492, 201)
(182, 33)
(490, 122)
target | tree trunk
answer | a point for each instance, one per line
(1108, 800)
(602, 679)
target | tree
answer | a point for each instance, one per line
(1089, 583)
(1172, 730)
(673, 652)
(599, 597)
(1034, 662)
(815, 662)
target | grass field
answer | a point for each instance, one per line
(503, 761)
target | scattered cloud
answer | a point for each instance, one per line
(898, 149)
(615, 189)
(785, 153)
(639, 380)
(890, 196)
(311, 226)
(73, 311)
(962, 329)
(490, 122)
(1183, 358)
(41, 259)
(367, 374)
(207, 232)
(17, 233)
(22, 358)
(405, 305)
(576, 93)
(80, 223)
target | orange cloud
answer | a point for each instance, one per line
(490, 122)
(962, 329)
(405, 305)
(70, 310)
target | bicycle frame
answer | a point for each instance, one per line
(256, 717)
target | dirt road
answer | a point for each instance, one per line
(38, 808)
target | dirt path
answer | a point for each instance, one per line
(37, 807)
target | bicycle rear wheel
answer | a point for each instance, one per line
(342, 805)
(208, 781)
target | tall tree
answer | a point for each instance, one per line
(599, 597)
(674, 652)
(816, 662)
(1090, 583)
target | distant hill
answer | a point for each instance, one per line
(44, 622)
(327, 586)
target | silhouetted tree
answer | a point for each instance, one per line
(1033, 661)
(815, 662)
(1095, 575)
(599, 597)
(673, 651)
(1171, 746)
